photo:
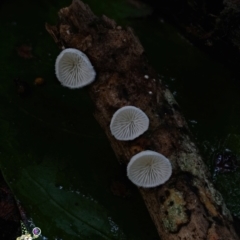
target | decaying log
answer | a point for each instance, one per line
(187, 206)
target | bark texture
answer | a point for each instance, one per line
(187, 206)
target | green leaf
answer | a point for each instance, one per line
(53, 154)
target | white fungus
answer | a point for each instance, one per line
(128, 123)
(149, 169)
(73, 68)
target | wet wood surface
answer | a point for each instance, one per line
(187, 206)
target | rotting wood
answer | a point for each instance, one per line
(187, 206)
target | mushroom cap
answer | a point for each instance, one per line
(73, 68)
(149, 169)
(128, 123)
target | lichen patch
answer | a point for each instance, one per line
(173, 210)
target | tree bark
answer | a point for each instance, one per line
(187, 206)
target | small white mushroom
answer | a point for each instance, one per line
(149, 169)
(73, 68)
(128, 123)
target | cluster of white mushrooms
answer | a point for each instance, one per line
(145, 169)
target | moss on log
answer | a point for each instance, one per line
(187, 206)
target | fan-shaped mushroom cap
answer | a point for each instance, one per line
(73, 68)
(128, 123)
(149, 169)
